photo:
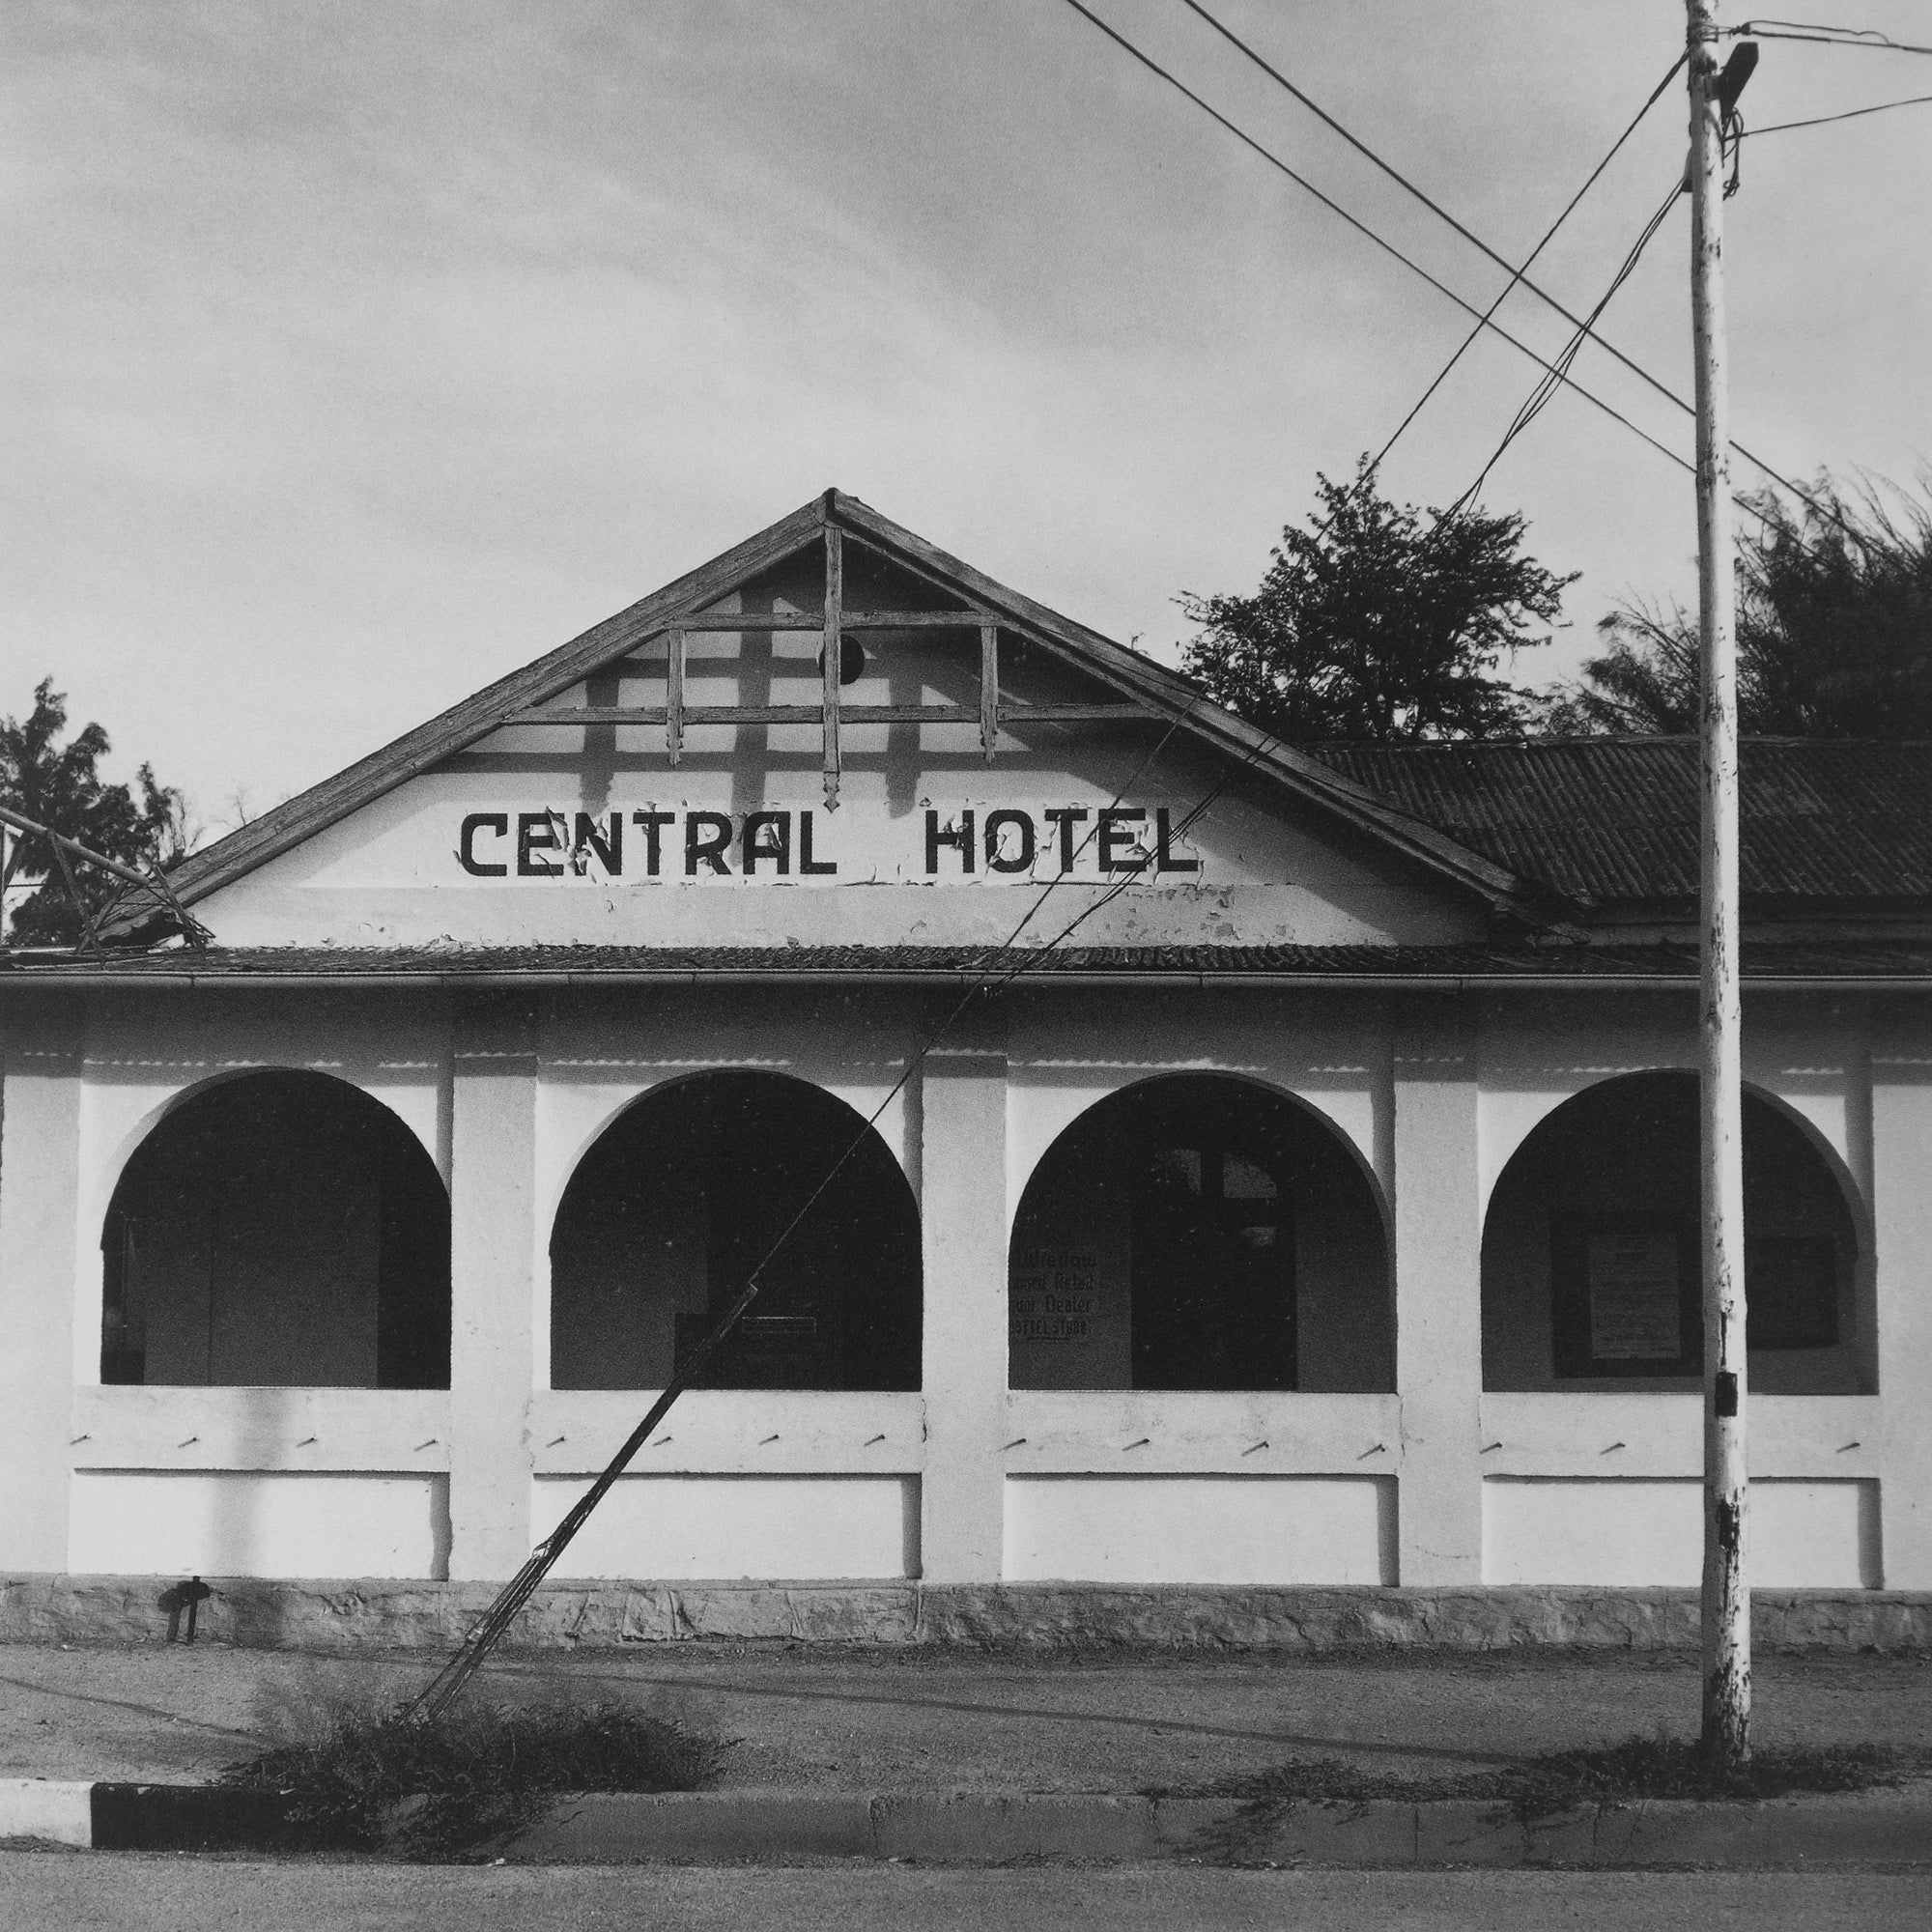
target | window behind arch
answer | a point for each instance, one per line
(1198, 1231)
(1592, 1262)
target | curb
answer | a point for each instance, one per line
(1886, 1826)
(102, 1816)
(995, 1827)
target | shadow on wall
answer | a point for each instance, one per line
(1199, 1232)
(1591, 1261)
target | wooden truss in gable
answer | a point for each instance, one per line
(832, 624)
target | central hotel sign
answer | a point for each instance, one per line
(693, 845)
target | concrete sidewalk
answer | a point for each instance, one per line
(892, 1720)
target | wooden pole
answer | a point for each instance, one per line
(989, 690)
(833, 659)
(674, 695)
(1726, 1586)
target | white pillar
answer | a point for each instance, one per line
(963, 1217)
(491, 1258)
(1439, 1305)
(1902, 1214)
(40, 1181)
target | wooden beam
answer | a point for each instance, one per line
(753, 620)
(674, 697)
(850, 621)
(916, 620)
(834, 657)
(989, 688)
(694, 714)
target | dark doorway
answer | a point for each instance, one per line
(1214, 1252)
(279, 1229)
(687, 1193)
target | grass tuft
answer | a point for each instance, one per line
(438, 1790)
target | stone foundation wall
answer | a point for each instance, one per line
(376, 1613)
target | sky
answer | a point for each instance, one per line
(358, 352)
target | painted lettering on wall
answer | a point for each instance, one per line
(690, 844)
(1051, 1294)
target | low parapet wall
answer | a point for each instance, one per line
(380, 1613)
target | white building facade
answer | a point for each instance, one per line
(1170, 1159)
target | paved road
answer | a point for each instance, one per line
(78, 1892)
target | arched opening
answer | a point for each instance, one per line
(1199, 1232)
(1591, 1268)
(686, 1193)
(278, 1230)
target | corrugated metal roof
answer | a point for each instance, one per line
(1616, 818)
(1525, 959)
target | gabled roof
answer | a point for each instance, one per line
(1601, 821)
(1332, 792)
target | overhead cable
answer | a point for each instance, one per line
(1361, 227)
(1538, 398)
(1823, 36)
(1475, 240)
(1548, 235)
(1850, 114)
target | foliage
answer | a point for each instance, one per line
(1379, 623)
(1557, 1782)
(59, 785)
(1835, 633)
(438, 1788)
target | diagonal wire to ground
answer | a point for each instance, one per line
(488, 1631)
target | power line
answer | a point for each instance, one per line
(1361, 227)
(1435, 208)
(1850, 114)
(1538, 398)
(1548, 235)
(1483, 321)
(1820, 35)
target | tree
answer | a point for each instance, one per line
(1379, 623)
(59, 785)
(1835, 632)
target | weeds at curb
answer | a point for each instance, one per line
(1663, 1768)
(441, 1790)
(1560, 1782)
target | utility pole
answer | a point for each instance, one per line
(1726, 1586)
